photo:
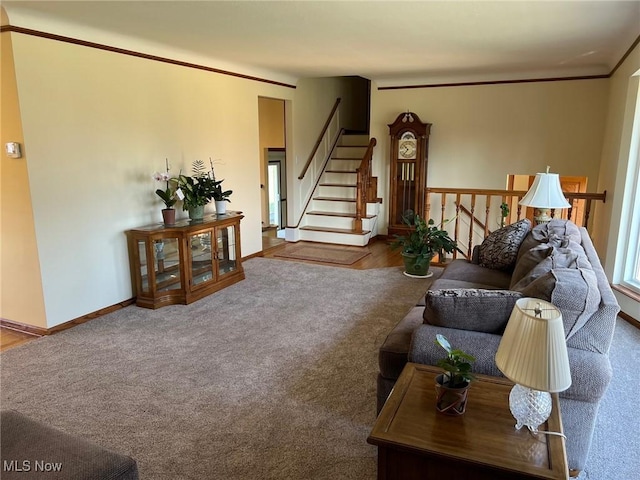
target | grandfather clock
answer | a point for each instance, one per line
(409, 153)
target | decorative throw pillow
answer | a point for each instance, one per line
(474, 309)
(529, 261)
(500, 249)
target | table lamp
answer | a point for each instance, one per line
(533, 355)
(545, 193)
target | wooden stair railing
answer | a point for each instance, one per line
(367, 186)
(314, 150)
(467, 200)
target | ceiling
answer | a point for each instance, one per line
(392, 42)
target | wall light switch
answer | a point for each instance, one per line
(13, 150)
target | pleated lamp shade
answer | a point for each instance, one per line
(545, 192)
(533, 350)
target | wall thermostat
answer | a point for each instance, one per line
(13, 150)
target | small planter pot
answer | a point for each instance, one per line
(450, 401)
(169, 216)
(196, 214)
(221, 207)
(414, 269)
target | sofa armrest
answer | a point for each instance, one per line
(482, 346)
(590, 375)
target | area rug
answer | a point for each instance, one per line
(340, 256)
(271, 378)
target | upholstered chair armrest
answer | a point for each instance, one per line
(482, 346)
(590, 375)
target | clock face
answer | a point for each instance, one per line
(407, 148)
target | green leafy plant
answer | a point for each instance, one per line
(424, 239)
(457, 365)
(201, 188)
(504, 213)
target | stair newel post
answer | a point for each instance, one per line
(357, 225)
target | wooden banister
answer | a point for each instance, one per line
(465, 201)
(320, 137)
(367, 186)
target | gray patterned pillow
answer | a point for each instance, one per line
(500, 249)
(474, 309)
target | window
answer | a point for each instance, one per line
(631, 210)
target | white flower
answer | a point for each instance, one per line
(161, 177)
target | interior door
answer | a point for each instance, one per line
(277, 189)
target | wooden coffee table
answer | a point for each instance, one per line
(416, 442)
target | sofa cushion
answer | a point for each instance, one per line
(478, 309)
(472, 274)
(500, 249)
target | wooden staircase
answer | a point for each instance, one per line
(331, 216)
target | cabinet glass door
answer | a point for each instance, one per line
(226, 250)
(201, 257)
(144, 272)
(166, 263)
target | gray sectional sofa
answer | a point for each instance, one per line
(471, 301)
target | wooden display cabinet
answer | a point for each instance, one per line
(185, 262)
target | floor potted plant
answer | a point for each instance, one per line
(421, 243)
(452, 386)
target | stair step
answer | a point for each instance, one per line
(336, 214)
(341, 171)
(335, 199)
(335, 230)
(338, 185)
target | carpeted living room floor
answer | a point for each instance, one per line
(271, 378)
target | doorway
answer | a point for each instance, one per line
(277, 189)
(273, 184)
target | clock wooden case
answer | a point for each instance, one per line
(408, 174)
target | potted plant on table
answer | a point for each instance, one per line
(221, 197)
(419, 246)
(452, 386)
(168, 196)
(195, 191)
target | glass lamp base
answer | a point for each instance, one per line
(530, 408)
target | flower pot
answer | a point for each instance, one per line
(169, 216)
(413, 268)
(196, 214)
(221, 207)
(450, 401)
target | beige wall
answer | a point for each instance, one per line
(96, 126)
(271, 120)
(614, 171)
(21, 297)
(480, 134)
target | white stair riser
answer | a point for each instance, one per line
(326, 206)
(326, 221)
(329, 177)
(336, 192)
(334, 164)
(337, 238)
(350, 152)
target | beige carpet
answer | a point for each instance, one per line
(337, 255)
(271, 378)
